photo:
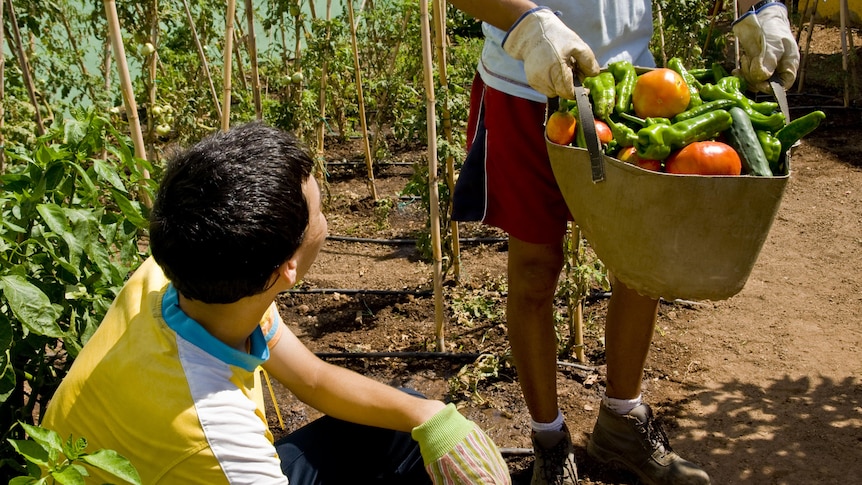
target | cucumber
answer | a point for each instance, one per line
(742, 137)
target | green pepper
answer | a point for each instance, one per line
(623, 134)
(656, 142)
(718, 71)
(771, 147)
(704, 108)
(644, 122)
(733, 83)
(798, 128)
(702, 75)
(675, 63)
(602, 92)
(760, 121)
(625, 75)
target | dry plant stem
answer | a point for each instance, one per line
(127, 89)
(202, 56)
(252, 54)
(240, 67)
(365, 143)
(226, 73)
(446, 119)
(25, 68)
(428, 71)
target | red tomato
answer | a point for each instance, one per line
(647, 164)
(628, 155)
(604, 132)
(560, 127)
(704, 158)
(660, 93)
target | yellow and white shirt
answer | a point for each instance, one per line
(155, 387)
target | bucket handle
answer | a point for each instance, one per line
(588, 124)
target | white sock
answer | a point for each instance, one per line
(555, 425)
(622, 406)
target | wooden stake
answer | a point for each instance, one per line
(844, 54)
(252, 54)
(202, 56)
(127, 89)
(152, 64)
(369, 162)
(430, 102)
(226, 73)
(25, 68)
(800, 79)
(324, 74)
(2, 94)
(440, 40)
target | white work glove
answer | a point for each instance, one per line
(768, 47)
(550, 52)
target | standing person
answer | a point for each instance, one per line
(168, 378)
(529, 55)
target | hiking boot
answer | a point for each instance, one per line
(554, 458)
(638, 443)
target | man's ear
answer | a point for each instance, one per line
(287, 270)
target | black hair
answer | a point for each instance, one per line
(229, 211)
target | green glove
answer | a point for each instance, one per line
(456, 451)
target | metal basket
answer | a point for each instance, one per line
(665, 235)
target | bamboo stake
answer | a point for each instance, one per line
(369, 163)
(712, 20)
(127, 89)
(802, 65)
(661, 33)
(324, 74)
(25, 68)
(432, 175)
(440, 40)
(2, 94)
(228, 49)
(202, 56)
(576, 302)
(252, 54)
(844, 54)
(152, 65)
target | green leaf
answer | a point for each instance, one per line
(109, 174)
(114, 463)
(130, 209)
(31, 306)
(23, 481)
(69, 476)
(32, 452)
(74, 448)
(74, 131)
(47, 438)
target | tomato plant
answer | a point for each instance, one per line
(660, 93)
(704, 158)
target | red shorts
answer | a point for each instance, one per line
(506, 180)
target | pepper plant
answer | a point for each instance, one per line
(71, 231)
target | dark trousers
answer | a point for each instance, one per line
(330, 451)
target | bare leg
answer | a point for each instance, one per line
(534, 270)
(628, 333)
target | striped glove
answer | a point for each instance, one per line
(456, 451)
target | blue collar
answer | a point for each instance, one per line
(192, 331)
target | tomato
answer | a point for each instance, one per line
(660, 93)
(604, 132)
(628, 155)
(647, 164)
(704, 158)
(560, 127)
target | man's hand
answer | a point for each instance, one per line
(455, 451)
(769, 47)
(550, 52)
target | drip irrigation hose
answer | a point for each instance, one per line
(398, 355)
(357, 291)
(466, 240)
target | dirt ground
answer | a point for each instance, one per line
(762, 388)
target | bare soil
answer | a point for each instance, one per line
(762, 388)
